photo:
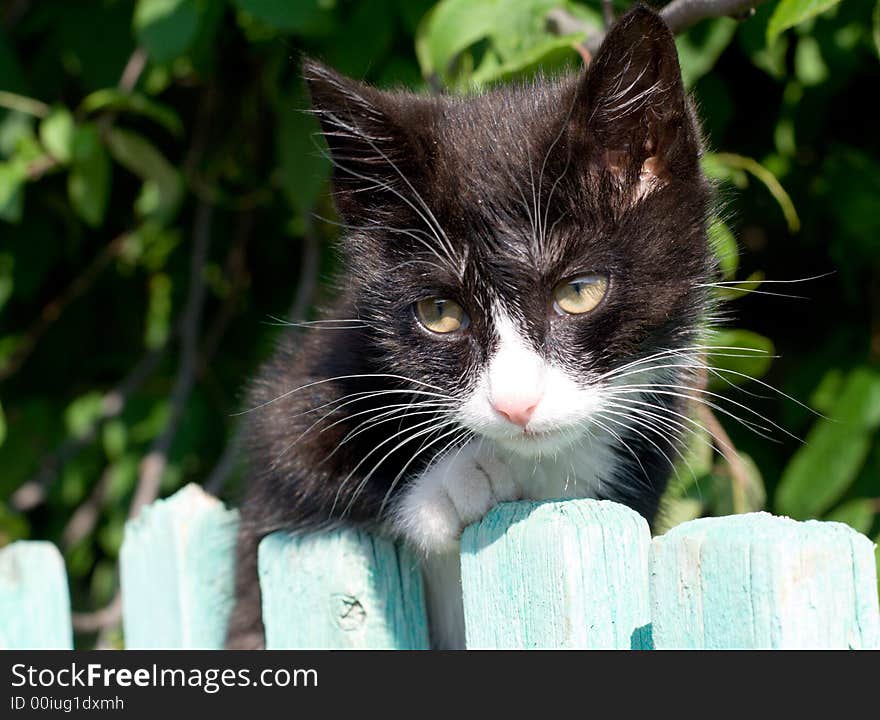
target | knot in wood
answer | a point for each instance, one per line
(348, 613)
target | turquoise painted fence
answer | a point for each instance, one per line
(559, 574)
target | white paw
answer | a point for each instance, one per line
(450, 495)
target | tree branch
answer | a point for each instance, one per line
(108, 616)
(85, 517)
(680, 15)
(33, 492)
(683, 14)
(153, 465)
(608, 13)
(133, 69)
(739, 474)
(305, 298)
(22, 103)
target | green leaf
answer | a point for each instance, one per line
(7, 277)
(725, 165)
(877, 27)
(809, 66)
(822, 470)
(701, 46)
(858, 514)
(877, 560)
(13, 526)
(114, 436)
(827, 390)
(123, 477)
(751, 357)
(158, 324)
(725, 248)
(166, 28)
(2, 425)
(465, 43)
(115, 100)
(56, 134)
(675, 511)
(82, 414)
(150, 244)
(551, 53)
(741, 288)
(163, 184)
(741, 493)
(12, 179)
(88, 184)
(450, 27)
(789, 13)
(696, 461)
(306, 17)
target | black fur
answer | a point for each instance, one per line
(579, 143)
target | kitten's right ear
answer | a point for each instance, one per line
(633, 108)
(373, 136)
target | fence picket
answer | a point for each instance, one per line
(559, 574)
(176, 570)
(34, 600)
(344, 589)
(759, 581)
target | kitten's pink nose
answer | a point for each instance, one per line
(518, 409)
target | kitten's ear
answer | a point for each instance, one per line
(633, 107)
(374, 136)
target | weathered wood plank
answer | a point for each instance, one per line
(759, 581)
(177, 573)
(34, 599)
(341, 590)
(561, 574)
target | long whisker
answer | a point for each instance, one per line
(754, 427)
(340, 377)
(605, 412)
(463, 439)
(424, 431)
(425, 403)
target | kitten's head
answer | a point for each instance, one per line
(518, 250)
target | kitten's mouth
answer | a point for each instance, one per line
(529, 441)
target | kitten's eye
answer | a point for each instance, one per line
(578, 296)
(440, 315)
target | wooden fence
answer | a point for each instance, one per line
(558, 574)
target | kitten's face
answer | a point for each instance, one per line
(520, 250)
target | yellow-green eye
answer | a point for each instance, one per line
(440, 315)
(578, 296)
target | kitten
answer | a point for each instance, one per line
(519, 316)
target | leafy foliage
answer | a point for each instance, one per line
(185, 121)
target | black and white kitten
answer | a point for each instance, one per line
(520, 313)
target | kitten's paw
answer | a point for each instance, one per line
(450, 495)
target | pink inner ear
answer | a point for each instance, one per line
(651, 168)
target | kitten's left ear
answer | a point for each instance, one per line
(375, 138)
(632, 105)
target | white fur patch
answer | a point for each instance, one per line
(565, 452)
(442, 573)
(452, 493)
(517, 371)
